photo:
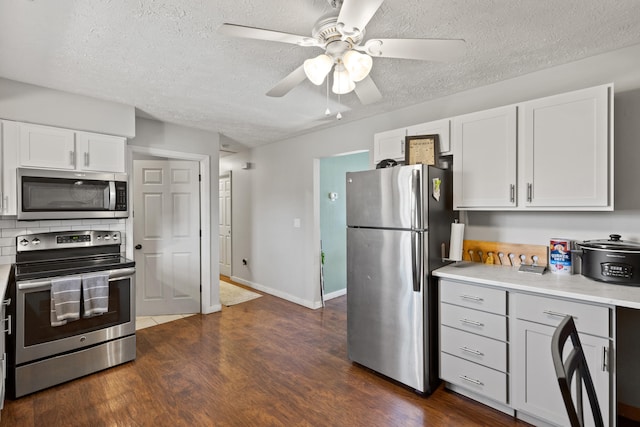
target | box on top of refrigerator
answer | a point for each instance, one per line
(560, 256)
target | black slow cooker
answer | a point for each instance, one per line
(611, 260)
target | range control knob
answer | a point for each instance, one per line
(35, 241)
(24, 242)
(115, 237)
(98, 237)
(107, 237)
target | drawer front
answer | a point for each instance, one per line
(478, 322)
(590, 319)
(472, 347)
(472, 296)
(482, 380)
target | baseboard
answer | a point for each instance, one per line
(276, 293)
(335, 294)
(629, 412)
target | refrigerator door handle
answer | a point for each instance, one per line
(416, 189)
(416, 260)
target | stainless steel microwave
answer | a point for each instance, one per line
(54, 194)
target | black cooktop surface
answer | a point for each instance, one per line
(68, 267)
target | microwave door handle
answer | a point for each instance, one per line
(112, 195)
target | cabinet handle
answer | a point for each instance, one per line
(471, 322)
(472, 298)
(605, 364)
(5, 203)
(472, 351)
(1, 203)
(86, 159)
(72, 158)
(401, 146)
(529, 192)
(557, 314)
(512, 193)
(471, 380)
(7, 325)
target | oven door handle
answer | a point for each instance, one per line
(113, 274)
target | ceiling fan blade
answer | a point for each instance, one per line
(357, 13)
(367, 91)
(262, 34)
(288, 83)
(441, 50)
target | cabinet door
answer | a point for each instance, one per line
(536, 389)
(389, 145)
(484, 151)
(438, 127)
(47, 147)
(568, 150)
(9, 146)
(102, 153)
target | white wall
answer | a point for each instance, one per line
(174, 138)
(34, 104)
(284, 260)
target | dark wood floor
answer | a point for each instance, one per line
(266, 362)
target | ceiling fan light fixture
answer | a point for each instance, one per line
(342, 82)
(317, 68)
(357, 64)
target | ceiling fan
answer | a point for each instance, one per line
(341, 35)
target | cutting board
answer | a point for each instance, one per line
(488, 253)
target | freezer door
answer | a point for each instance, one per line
(385, 306)
(385, 198)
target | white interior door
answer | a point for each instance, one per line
(225, 224)
(166, 228)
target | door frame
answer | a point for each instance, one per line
(205, 214)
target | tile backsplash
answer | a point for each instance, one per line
(10, 228)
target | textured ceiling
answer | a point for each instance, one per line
(165, 57)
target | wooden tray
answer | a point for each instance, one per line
(488, 253)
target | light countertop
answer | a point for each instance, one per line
(573, 286)
(4, 278)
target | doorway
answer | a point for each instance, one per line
(203, 161)
(333, 208)
(225, 229)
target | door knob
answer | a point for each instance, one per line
(138, 246)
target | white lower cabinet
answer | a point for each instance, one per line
(495, 347)
(473, 339)
(536, 389)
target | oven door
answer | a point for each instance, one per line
(37, 339)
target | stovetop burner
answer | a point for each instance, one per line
(68, 253)
(37, 270)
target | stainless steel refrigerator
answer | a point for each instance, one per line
(397, 220)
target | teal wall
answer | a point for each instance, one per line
(333, 221)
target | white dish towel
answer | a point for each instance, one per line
(95, 288)
(65, 299)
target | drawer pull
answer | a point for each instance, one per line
(471, 380)
(471, 322)
(557, 314)
(472, 351)
(472, 298)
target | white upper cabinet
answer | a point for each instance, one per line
(102, 153)
(553, 153)
(389, 145)
(9, 147)
(438, 127)
(50, 147)
(567, 150)
(484, 159)
(44, 146)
